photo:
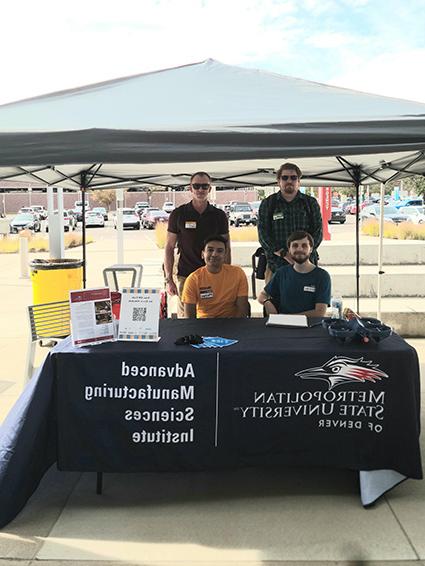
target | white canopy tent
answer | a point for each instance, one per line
(238, 124)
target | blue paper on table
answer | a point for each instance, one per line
(214, 342)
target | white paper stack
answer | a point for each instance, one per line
(287, 320)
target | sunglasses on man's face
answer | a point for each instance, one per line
(203, 186)
(286, 177)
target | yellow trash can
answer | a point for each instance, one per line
(52, 279)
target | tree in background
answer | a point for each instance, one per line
(104, 197)
(415, 184)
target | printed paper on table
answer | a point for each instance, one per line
(139, 316)
(91, 316)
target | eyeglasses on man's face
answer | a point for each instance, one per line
(286, 177)
(198, 186)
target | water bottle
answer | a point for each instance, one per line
(336, 306)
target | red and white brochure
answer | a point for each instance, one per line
(116, 304)
(91, 316)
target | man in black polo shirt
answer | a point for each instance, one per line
(188, 226)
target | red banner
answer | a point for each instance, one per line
(325, 202)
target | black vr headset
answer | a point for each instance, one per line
(361, 329)
(190, 339)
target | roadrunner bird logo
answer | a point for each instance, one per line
(340, 369)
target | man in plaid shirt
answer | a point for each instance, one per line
(283, 213)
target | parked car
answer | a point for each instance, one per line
(140, 206)
(143, 215)
(353, 208)
(94, 219)
(101, 210)
(224, 207)
(391, 214)
(129, 219)
(72, 219)
(79, 204)
(24, 221)
(37, 209)
(68, 222)
(241, 213)
(168, 206)
(255, 206)
(415, 214)
(78, 209)
(409, 202)
(30, 210)
(337, 214)
(346, 206)
(153, 217)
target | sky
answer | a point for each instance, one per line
(375, 46)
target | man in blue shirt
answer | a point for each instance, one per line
(301, 287)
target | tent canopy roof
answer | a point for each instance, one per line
(238, 124)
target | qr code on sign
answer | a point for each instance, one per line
(139, 314)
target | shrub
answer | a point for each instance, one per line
(161, 234)
(403, 231)
(9, 245)
(38, 243)
(75, 239)
(244, 234)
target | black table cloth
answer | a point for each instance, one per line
(279, 396)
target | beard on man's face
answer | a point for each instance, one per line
(299, 257)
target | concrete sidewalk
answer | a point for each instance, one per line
(243, 517)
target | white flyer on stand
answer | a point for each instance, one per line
(139, 316)
(91, 316)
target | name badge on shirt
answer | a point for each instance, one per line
(189, 225)
(278, 216)
(310, 288)
(206, 293)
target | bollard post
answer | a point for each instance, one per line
(23, 253)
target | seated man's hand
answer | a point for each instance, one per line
(269, 307)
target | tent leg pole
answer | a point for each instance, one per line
(83, 223)
(380, 253)
(357, 185)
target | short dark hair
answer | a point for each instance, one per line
(299, 235)
(202, 174)
(216, 238)
(289, 166)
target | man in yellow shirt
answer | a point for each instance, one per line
(217, 290)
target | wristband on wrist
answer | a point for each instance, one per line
(267, 301)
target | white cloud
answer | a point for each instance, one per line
(326, 40)
(391, 74)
